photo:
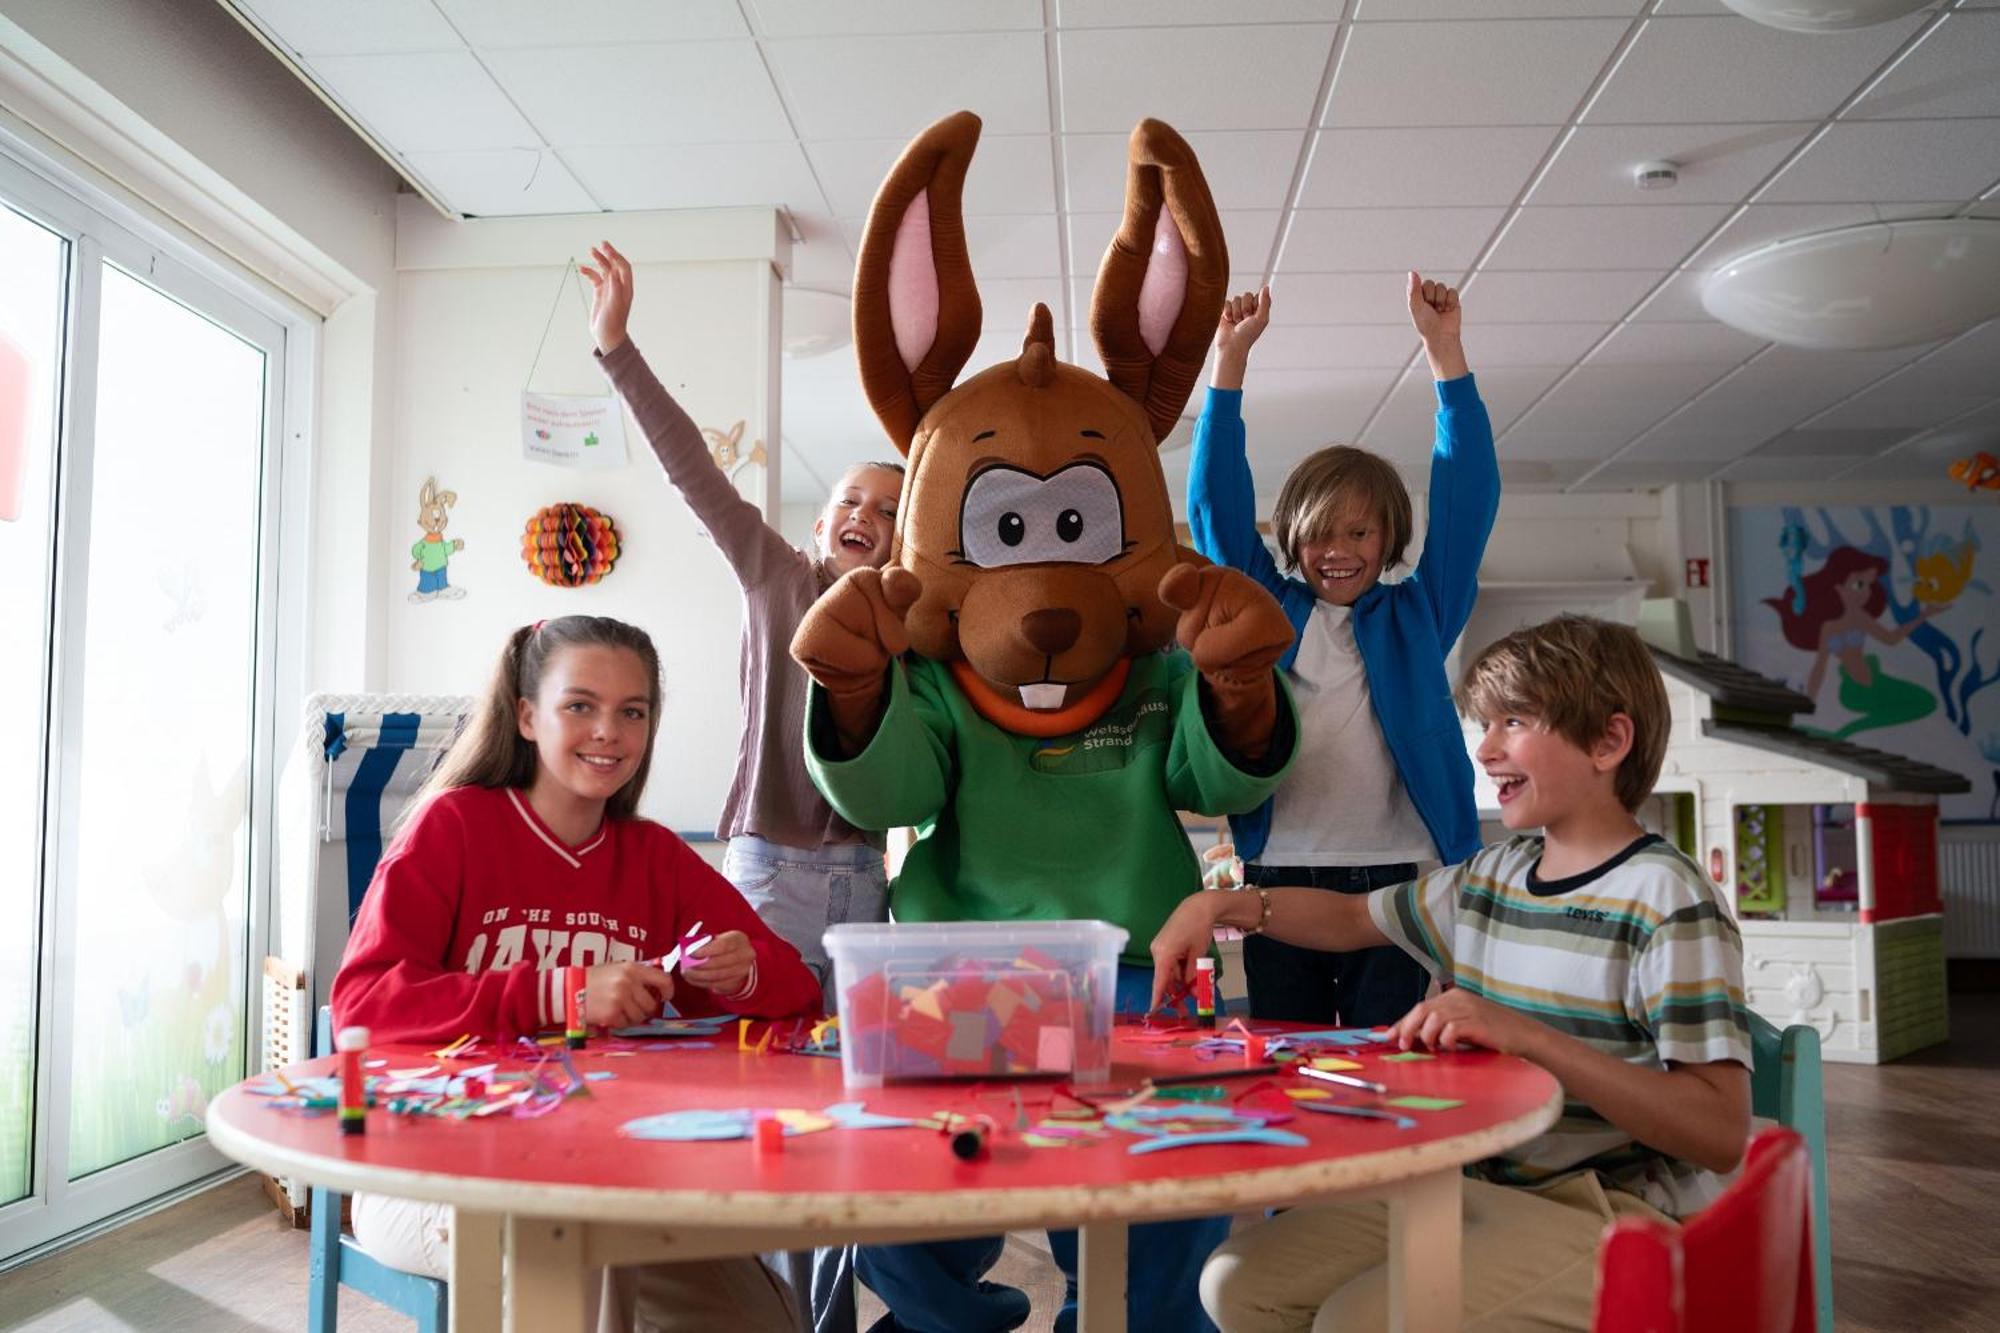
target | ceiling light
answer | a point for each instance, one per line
(1883, 284)
(815, 322)
(1824, 15)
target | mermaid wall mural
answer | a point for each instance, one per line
(1877, 614)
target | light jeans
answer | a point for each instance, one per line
(800, 891)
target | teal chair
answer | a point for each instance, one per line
(336, 1260)
(1786, 1086)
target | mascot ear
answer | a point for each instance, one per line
(1163, 281)
(916, 308)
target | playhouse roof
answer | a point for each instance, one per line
(1731, 685)
(1891, 772)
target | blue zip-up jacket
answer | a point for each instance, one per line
(1403, 629)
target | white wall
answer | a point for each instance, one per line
(465, 339)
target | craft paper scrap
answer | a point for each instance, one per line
(1403, 1057)
(1307, 1094)
(1334, 1062)
(1415, 1103)
(853, 1115)
(572, 430)
(710, 1125)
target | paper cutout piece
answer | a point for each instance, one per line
(1415, 1103)
(677, 1027)
(1361, 1113)
(1404, 1057)
(1334, 1062)
(1307, 1094)
(707, 1126)
(853, 1115)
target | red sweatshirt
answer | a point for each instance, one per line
(477, 905)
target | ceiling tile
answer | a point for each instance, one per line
(1616, 399)
(1244, 168)
(1758, 467)
(1409, 417)
(1583, 444)
(1630, 473)
(1696, 342)
(1249, 237)
(1112, 79)
(1361, 240)
(1017, 247)
(1537, 298)
(1341, 298)
(1951, 73)
(1377, 83)
(696, 175)
(1008, 302)
(816, 18)
(1189, 13)
(1083, 283)
(1506, 390)
(1823, 442)
(659, 93)
(1489, 344)
(1724, 69)
(862, 87)
(1290, 413)
(1892, 161)
(360, 27)
(426, 102)
(1761, 224)
(1978, 349)
(490, 24)
(1915, 397)
(1619, 236)
(1432, 10)
(1671, 440)
(1352, 347)
(503, 182)
(1677, 301)
(1718, 164)
(1010, 173)
(1376, 168)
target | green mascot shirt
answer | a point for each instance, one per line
(1014, 828)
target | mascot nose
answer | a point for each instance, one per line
(1052, 631)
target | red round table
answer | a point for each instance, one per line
(566, 1193)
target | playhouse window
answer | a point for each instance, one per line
(1836, 864)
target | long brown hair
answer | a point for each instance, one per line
(492, 752)
(1314, 497)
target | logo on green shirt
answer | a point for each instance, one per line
(1107, 744)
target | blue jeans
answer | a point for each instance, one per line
(938, 1288)
(1364, 989)
(431, 580)
(800, 891)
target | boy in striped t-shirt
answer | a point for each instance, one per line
(1595, 950)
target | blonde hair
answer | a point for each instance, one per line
(1327, 483)
(1571, 674)
(491, 751)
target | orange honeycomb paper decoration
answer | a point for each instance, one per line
(569, 545)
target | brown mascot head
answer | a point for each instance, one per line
(1036, 513)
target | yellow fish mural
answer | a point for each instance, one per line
(1944, 572)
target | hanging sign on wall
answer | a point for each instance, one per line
(572, 430)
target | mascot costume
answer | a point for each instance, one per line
(1001, 685)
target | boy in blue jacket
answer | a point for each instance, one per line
(1382, 780)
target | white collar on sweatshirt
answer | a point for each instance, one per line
(572, 855)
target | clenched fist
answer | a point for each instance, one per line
(1235, 632)
(847, 641)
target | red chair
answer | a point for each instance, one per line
(1741, 1265)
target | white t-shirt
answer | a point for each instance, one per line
(1343, 803)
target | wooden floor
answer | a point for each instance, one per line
(1915, 1165)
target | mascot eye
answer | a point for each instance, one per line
(1011, 517)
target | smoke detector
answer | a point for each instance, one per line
(1660, 175)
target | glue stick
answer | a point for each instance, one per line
(1204, 992)
(353, 1093)
(968, 1141)
(573, 1030)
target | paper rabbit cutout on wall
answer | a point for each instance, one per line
(429, 556)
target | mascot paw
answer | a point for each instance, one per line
(1228, 623)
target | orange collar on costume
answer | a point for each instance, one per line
(1008, 715)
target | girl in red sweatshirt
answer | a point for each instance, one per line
(526, 855)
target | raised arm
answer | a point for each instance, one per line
(1465, 474)
(1222, 499)
(753, 548)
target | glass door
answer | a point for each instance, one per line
(141, 410)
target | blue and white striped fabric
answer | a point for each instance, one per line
(361, 760)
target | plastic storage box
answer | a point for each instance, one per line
(975, 999)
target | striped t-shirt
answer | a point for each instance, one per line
(1638, 957)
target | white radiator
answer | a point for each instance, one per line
(1969, 866)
